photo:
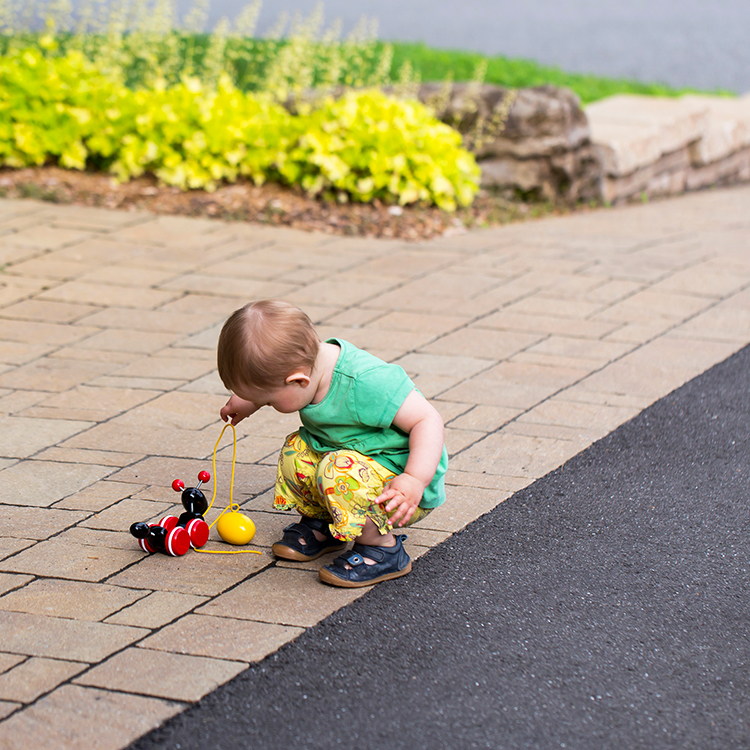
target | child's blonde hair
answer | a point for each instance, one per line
(264, 342)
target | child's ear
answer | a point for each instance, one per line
(301, 379)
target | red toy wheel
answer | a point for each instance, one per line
(168, 522)
(199, 531)
(145, 546)
(144, 542)
(177, 542)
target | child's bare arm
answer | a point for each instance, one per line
(426, 432)
(236, 409)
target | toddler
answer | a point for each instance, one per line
(369, 456)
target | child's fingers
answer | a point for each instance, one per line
(386, 495)
(407, 517)
(401, 515)
(396, 503)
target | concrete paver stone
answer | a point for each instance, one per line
(532, 340)
(21, 437)
(98, 538)
(114, 459)
(63, 559)
(15, 402)
(471, 502)
(72, 599)
(27, 522)
(163, 675)
(457, 440)
(97, 294)
(131, 508)
(282, 596)
(7, 708)
(46, 312)
(9, 660)
(9, 581)
(74, 716)
(58, 638)
(194, 573)
(221, 637)
(97, 404)
(43, 483)
(54, 374)
(36, 676)
(97, 496)
(157, 609)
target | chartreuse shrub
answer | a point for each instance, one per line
(48, 109)
(192, 136)
(61, 110)
(369, 145)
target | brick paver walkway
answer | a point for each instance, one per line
(534, 340)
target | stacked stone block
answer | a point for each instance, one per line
(651, 146)
(618, 149)
(542, 148)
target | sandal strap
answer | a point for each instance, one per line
(378, 554)
(351, 558)
(316, 523)
(294, 531)
(357, 554)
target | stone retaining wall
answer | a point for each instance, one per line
(617, 149)
(545, 148)
(658, 146)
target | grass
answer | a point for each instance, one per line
(250, 60)
(145, 40)
(437, 64)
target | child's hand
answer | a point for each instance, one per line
(401, 496)
(236, 409)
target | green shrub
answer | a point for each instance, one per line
(48, 108)
(369, 145)
(192, 136)
(366, 145)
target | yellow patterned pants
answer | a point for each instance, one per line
(338, 487)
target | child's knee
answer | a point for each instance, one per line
(348, 484)
(339, 473)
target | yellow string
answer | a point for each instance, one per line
(231, 483)
(231, 507)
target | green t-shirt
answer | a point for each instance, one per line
(357, 414)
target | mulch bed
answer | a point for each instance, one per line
(268, 204)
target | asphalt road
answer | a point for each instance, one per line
(605, 606)
(681, 42)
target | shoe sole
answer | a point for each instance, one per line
(289, 553)
(327, 577)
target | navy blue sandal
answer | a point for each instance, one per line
(390, 562)
(289, 548)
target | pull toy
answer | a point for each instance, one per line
(176, 535)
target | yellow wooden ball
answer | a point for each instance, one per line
(235, 528)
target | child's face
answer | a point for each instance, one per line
(287, 399)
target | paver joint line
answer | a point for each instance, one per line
(553, 333)
(562, 390)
